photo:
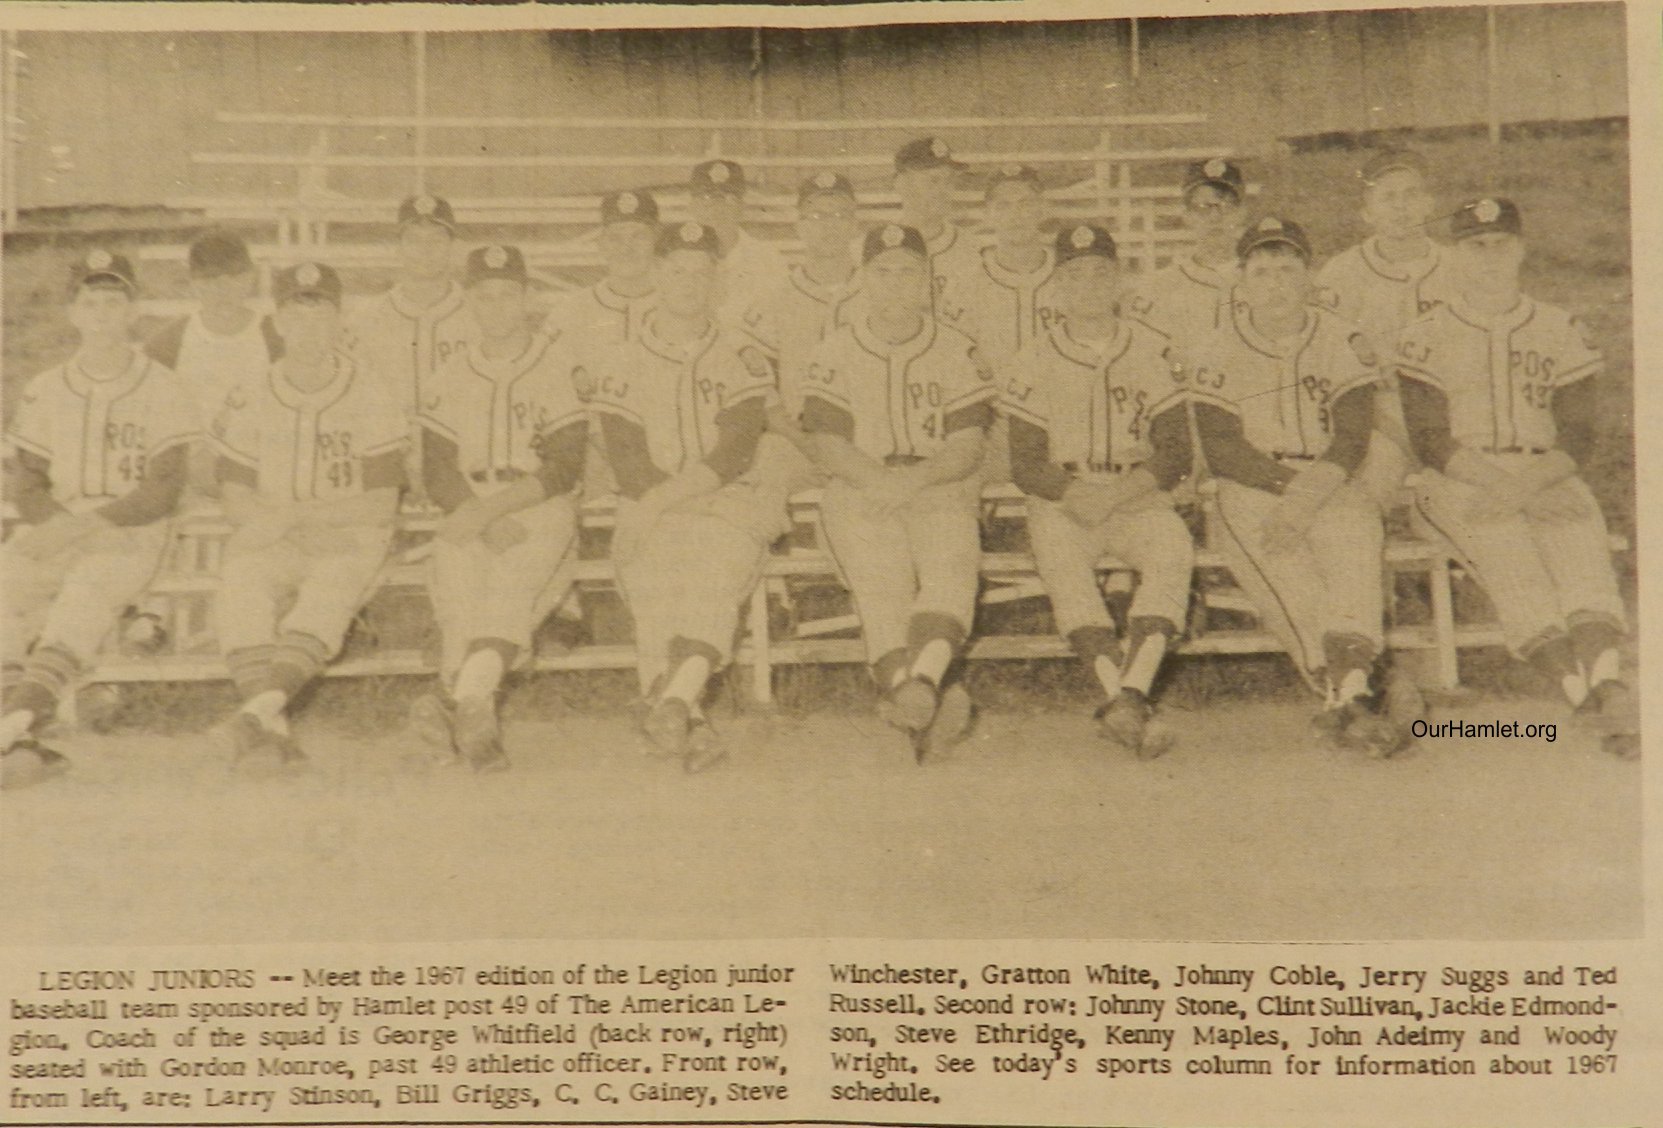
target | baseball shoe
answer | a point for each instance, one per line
(1614, 715)
(262, 751)
(1375, 734)
(910, 706)
(953, 719)
(1129, 722)
(704, 747)
(479, 737)
(29, 762)
(1330, 724)
(433, 720)
(668, 726)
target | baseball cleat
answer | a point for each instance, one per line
(910, 706)
(953, 719)
(1128, 722)
(1330, 724)
(28, 763)
(262, 751)
(432, 719)
(1614, 714)
(667, 726)
(479, 737)
(704, 747)
(1375, 735)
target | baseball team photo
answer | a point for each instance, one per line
(1159, 478)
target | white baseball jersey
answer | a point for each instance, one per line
(675, 392)
(406, 345)
(1094, 398)
(597, 316)
(495, 409)
(1281, 389)
(747, 274)
(98, 434)
(1382, 296)
(210, 363)
(1004, 310)
(900, 396)
(1186, 300)
(1498, 372)
(954, 260)
(787, 324)
(306, 446)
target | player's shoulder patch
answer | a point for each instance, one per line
(984, 370)
(584, 382)
(1584, 333)
(1362, 350)
(1326, 297)
(755, 363)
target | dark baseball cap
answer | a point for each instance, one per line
(1083, 241)
(215, 254)
(825, 184)
(1217, 172)
(1392, 160)
(427, 209)
(497, 260)
(1272, 231)
(306, 280)
(1484, 215)
(100, 265)
(688, 237)
(634, 206)
(717, 177)
(1014, 174)
(893, 237)
(923, 154)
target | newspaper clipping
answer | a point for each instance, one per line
(998, 564)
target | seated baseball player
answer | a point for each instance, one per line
(681, 412)
(311, 462)
(1282, 396)
(1383, 283)
(748, 269)
(1190, 297)
(1080, 399)
(898, 407)
(95, 461)
(1499, 392)
(503, 452)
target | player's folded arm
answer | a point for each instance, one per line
(560, 453)
(1229, 454)
(28, 486)
(1426, 417)
(625, 442)
(1351, 413)
(442, 477)
(739, 428)
(1574, 418)
(158, 492)
(384, 468)
(1173, 455)
(1032, 469)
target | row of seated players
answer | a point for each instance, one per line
(705, 433)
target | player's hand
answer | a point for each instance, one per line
(55, 535)
(1556, 507)
(503, 534)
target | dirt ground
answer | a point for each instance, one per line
(821, 825)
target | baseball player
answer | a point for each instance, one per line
(1282, 395)
(1383, 283)
(926, 175)
(821, 293)
(1499, 393)
(749, 269)
(1080, 398)
(612, 309)
(681, 409)
(897, 407)
(310, 468)
(502, 454)
(95, 462)
(406, 332)
(1189, 298)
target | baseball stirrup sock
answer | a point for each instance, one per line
(482, 670)
(1349, 657)
(47, 676)
(268, 707)
(15, 725)
(1553, 654)
(691, 664)
(1146, 647)
(934, 640)
(297, 659)
(1594, 640)
(250, 668)
(890, 670)
(1100, 651)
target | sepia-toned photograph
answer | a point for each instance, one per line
(1164, 478)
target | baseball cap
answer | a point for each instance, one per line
(628, 207)
(306, 280)
(923, 154)
(1392, 160)
(1273, 230)
(1484, 215)
(218, 253)
(100, 265)
(1217, 172)
(427, 209)
(688, 237)
(496, 260)
(1014, 174)
(1084, 240)
(717, 178)
(892, 237)
(825, 184)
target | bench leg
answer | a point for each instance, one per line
(1443, 626)
(762, 664)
